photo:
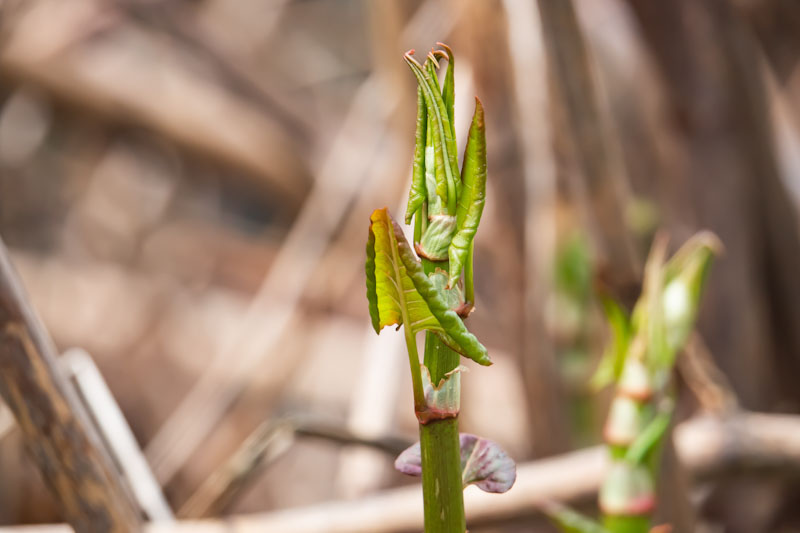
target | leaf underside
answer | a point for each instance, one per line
(483, 463)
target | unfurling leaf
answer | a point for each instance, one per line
(473, 195)
(446, 165)
(613, 359)
(436, 238)
(449, 88)
(684, 278)
(398, 286)
(483, 463)
(418, 194)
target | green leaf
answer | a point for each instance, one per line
(650, 437)
(571, 521)
(613, 359)
(473, 195)
(418, 194)
(684, 280)
(397, 285)
(437, 237)
(442, 130)
(436, 189)
(648, 315)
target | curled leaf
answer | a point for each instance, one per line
(684, 279)
(398, 285)
(613, 359)
(454, 296)
(448, 90)
(446, 165)
(436, 238)
(473, 195)
(418, 194)
(483, 463)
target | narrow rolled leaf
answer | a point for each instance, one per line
(449, 159)
(571, 521)
(648, 315)
(372, 291)
(399, 280)
(418, 194)
(473, 195)
(449, 88)
(437, 191)
(483, 463)
(446, 164)
(684, 279)
(442, 400)
(436, 238)
(613, 360)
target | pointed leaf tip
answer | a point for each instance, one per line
(473, 195)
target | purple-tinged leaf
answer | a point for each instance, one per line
(409, 462)
(483, 463)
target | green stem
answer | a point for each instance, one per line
(442, 489)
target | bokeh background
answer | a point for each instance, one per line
(185, 188)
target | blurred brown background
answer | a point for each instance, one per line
(185, 187)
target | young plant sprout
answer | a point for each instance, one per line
(433, 291)
(639, 361)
